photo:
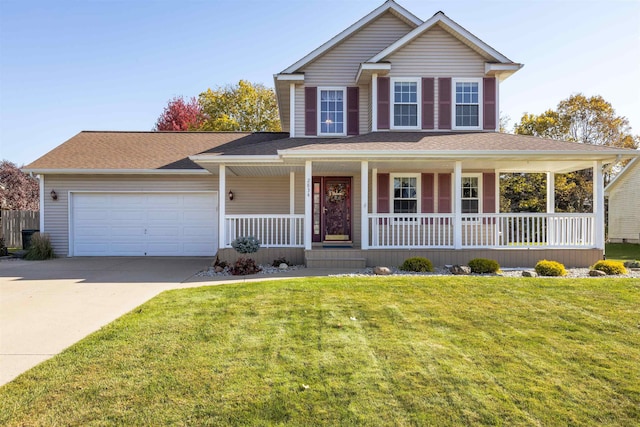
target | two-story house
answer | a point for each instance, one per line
(390, 149)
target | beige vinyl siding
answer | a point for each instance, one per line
(56, 221)
(258, 195)
(624, 208)
(339, 66)
(436, 53)
(364, 109)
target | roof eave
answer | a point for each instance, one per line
(77, 171)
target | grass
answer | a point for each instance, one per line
(622, 251)
(353, 351)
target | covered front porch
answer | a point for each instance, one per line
(335, 213)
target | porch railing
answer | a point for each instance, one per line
(272, 230)
(504, 230)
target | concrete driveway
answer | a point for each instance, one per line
(45, 306)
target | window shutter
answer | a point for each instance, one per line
(383, 193)
(489, 103)
(428, 99)
(444, 103)
(444, 193)
(488, 192)
(310, 111)
(353, 110)
(383, 102)
(427, 193)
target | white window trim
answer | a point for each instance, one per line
(418, 191)
(480, 193)
(344, 109)
(392, 103)
(453, 102)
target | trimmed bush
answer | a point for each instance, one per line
(417, 264)
(246, 245)
(550, 268)
(244, 266)
(612, 268)
(40, 248)
(483, 265)
(3, 249)
(632, 264)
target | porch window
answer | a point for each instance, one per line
(466, 109)
(471, 194)
(405, 104)
(405, 194)
(331, 107)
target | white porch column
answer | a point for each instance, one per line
(222, 197)
(374, 102)
(308, 216)
(598, 203)
(364, 204)
(41, 184)
(551, 192)
(374, 190)
(457, 205)
(292, 208)
(292, 110)
(551, 208)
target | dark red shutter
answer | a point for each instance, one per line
(353, 111)
(488, 192)
(444, 103)
(427, 193)
(489, 103)
(383, 193)
(444, 193)
(428, 99)
(383, 102)
(310, 111)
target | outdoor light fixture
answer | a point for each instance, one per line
(230, 195)
(54, 195)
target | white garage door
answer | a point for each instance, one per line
(144, 224)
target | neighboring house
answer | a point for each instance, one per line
(392, 151)
(624, 204)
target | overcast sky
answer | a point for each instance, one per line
(68, 66)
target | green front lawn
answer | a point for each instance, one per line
(622, 251)
(353, 351)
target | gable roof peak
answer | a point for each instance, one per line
(387, 6)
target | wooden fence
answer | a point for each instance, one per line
(13, 222)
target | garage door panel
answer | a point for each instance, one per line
(138, 224)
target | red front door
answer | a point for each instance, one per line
(331, 209)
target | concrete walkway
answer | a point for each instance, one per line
(46, 306)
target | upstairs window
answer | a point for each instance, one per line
(467, 109)
(331, 107)
(406, 110)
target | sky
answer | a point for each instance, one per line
(68, 66)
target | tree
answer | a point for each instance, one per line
(180, 115)
(18, 191)
(580, 119)
(245, 107)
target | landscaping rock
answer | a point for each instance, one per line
(597, 273)
(381, 271)
(529, 274)
(634, 269)
(460, 270)
(283, 266)
(218, 269)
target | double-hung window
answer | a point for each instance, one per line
(467, 110)
(471, 193)
(406, 103)
(331, 111)
(405, 193)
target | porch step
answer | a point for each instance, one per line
(337, 258)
